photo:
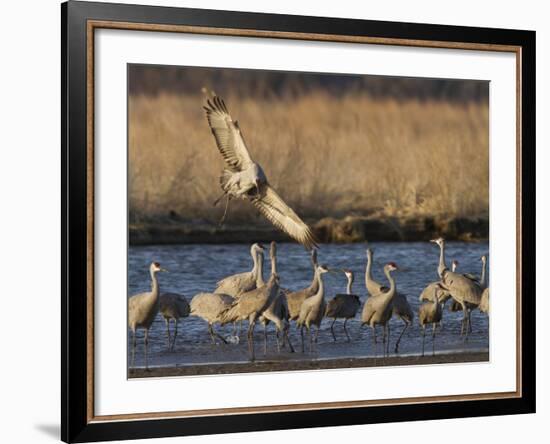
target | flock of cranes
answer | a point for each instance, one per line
(248, 297)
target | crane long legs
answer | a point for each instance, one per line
(346, 330)
(175, 335)
(396, 349)
(133, 347)
(146, 341)
(250, 335)
(332, 329)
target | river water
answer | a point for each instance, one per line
(197, 268)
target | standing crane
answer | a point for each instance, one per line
(142, 310)
(462, 289)
(277, 313)
(296, 298)
(253, 303)
(173, 306)
(484, 304)
(430, 312)
(243, 178)
(400, 305)
(343, 306)
(240, 283)
(378, 307)
(313, 309)
(210, 307)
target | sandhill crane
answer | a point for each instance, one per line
(242, 178)
(173, 306)
(434, 290)
(253, 303)
(277, 313)
(210, 306)
(481, 281)
(371, 285)
(313, 309)
(343, 306)
(378, 307)
(442, 265)
(430, 313)
(400, 305)
(296, 298)
(484, 303)
(240, 283)
(142, 310)
(462, 289)
(403, 310)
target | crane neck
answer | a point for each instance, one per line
(273, 264)
(391, 280)
(259, 270)
(368, 276)
(155, 288)
(482, 280)
(350, 283)
(321, 288)
(442, 265)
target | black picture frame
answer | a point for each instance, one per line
(76, 424)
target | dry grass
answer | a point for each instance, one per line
(326, 156)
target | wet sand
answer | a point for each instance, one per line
(308, 364)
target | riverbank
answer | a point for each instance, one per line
(308, 364)
(350, 229)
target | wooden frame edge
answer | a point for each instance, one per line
(205, 30)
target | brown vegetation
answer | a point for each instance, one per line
(327, 155)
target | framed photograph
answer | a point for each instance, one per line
(276, 221)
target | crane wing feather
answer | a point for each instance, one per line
(228, 135)
(272, 206)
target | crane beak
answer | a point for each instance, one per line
(164, 270)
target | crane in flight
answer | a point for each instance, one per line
(243, 178)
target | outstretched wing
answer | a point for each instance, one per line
(227, 134)
(283, 217)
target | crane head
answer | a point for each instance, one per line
(392, 266)
(155, 267)
(439, 241)
(348, 273)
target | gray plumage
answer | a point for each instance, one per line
(295, 299)
(313, 309)
(484, 304)
(142, 310)
(245, 179)
(400, 306)
(210, 306)
(430, 313)
(371, 285)
(343, 306)
(252, 304)
(277, 313)
(434, 290)
(238, 284)
(463, 290)
(173, 306)
(378, 307)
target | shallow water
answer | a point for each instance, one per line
(197, 268)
